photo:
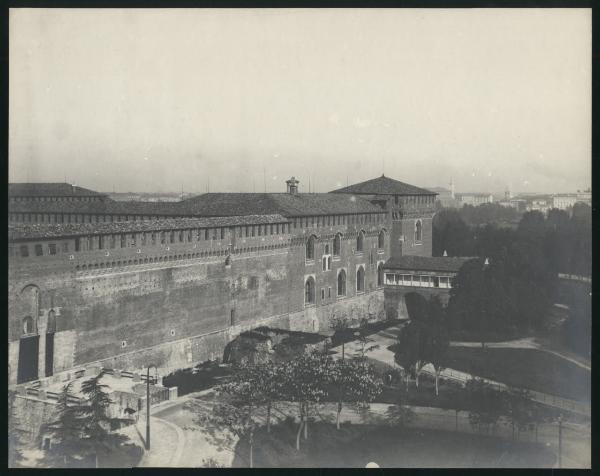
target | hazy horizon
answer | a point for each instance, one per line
(160, 100)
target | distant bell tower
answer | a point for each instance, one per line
(292, 186)
(452, 188)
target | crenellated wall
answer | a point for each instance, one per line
(183, 310)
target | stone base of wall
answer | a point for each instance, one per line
(185, 353)
(395, 299)
(29, 415)
(318, 318)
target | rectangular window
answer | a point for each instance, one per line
(322, 293)
(52, 249)
(65, 247)
(24, 251)
(253, 230)
(247, 231)
(100, 242)
(206, 233)
(222, 233)
(123, 241)
(38, 250)
(271, 229)
(259, 230)
(232, 317)
(329, 292)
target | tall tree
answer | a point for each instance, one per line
(486, 404)
(352, 381)
(67, 431)
(341, 327)
(306, 382)
(238, 401)
(437, 339)
(97, 423)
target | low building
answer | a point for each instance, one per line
(474, 199)
(564, 201)
(427, 276)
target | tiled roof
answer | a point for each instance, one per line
(215, 204)
(105, 207)
(301, 204)
(427, 263)
(384, 186)
(25, 231)
(48, 190)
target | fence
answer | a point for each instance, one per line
(550, 400)
(576, 439)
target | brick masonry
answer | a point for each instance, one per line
(176, 313)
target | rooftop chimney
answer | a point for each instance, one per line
(292, 186)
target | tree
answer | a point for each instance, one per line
(97, 423)
(486, 404)
(239, 400)
(340, 325)
(364, 342)
(406, 353)
(306, 381)
(353, 381)
(266, 379)
(67, 431)
(520, 410)
(438, 341)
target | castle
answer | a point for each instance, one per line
(126, 284)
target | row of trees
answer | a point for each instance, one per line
(486, 405)
(563, 239)
(514, 293)
(307, 381)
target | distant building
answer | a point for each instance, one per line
(474, 199)
(445, 197)
(564, 201)
(585, 197)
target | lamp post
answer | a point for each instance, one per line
(148, 404)
(560, 441)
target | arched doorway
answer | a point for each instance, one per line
(50, 330)
(29, 343)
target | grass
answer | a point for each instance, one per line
(356, 445)
(527, 368)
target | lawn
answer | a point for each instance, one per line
(356, 445)
(527, 368)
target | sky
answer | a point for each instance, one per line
(239, 101)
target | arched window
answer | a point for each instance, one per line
(360, 280)
(381, 240)
(418, 231)
(341, 283)
(309, 291)
(337, 244)
(360, 239)
(28, 325)
(310, 248)
(380, 274)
